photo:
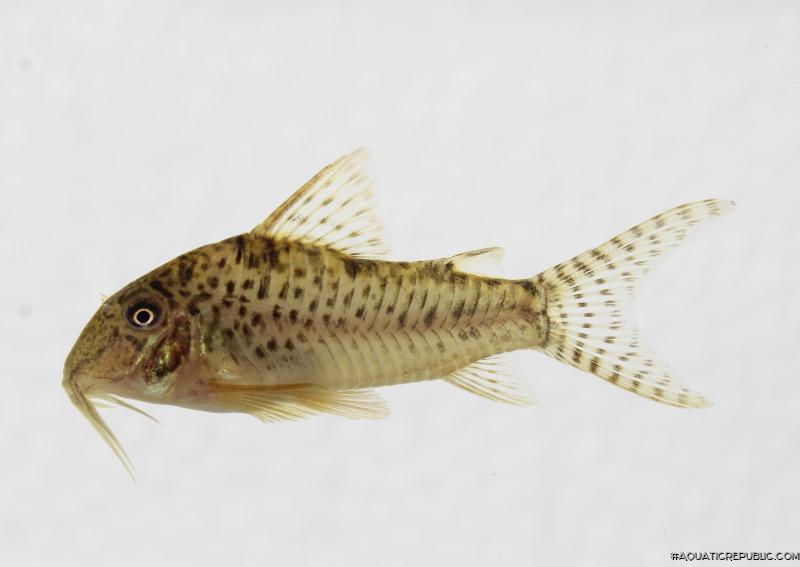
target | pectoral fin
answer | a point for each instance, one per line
(298, 401)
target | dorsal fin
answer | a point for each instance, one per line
(483, 262)
(334, 208)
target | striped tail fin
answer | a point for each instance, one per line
(589, 305)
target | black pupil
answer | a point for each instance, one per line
(143, 314)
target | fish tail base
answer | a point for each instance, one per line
(589, 298)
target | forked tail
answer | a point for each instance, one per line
(589, 304)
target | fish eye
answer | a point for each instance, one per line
(143, 315)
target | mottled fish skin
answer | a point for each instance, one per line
(302, 314)
(282, 312)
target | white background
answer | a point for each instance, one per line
(131, 132)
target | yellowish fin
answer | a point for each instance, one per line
(497, 378)
(483, 262)
(335, 208)
(297, 401)
(589, 302)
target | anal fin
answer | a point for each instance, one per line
(298, 401)
(496, 378)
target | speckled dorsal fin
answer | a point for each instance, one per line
(298, 401)
(497, 378)
(483, 262)
(334, 208)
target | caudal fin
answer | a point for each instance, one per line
(589, 304)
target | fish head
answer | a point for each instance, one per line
(132, 347)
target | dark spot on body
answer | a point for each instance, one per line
(298, 292)
(262, 287)
(159, 287)
(273, 257)
(459, 309)
(272, 345)
(239, 248)
(351, 267)
(185, 274)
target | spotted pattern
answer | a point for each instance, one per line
(589, 297)
(281, 312)
(273, 311)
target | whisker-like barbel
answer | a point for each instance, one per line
(88, 410)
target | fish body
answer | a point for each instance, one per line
(304, 315)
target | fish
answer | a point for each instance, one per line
(304, 314)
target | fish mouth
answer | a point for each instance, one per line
(85, 404)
